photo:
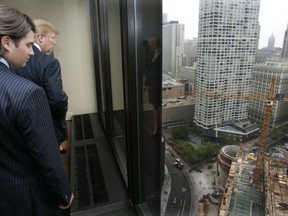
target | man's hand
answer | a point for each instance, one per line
(67, 206)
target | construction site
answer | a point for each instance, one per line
(254, 181)
(257, 181)
(243, 197)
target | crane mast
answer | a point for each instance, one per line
(268, 109)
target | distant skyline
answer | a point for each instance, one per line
(273, 18)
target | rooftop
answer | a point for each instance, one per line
(242, 127)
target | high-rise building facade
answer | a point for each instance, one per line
(173, 47)
(261, 82)
(189, 73)
(227, 41)
(284, 53)
(190, 52)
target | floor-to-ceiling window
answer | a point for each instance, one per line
(133, 40)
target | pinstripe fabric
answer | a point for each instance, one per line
(33, 179)
(45, 71)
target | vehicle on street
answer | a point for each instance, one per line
(178, 164)
(175, 200)
(181, 97)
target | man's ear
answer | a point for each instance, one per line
(40, 37)
(5, 42)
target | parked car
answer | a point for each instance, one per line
(178, 164)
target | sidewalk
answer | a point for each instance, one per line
(165, 191)
(202, 185)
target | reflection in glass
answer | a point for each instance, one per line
(114, 34)
(151, 61)
(153, 81)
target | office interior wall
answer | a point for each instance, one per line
(73, 48)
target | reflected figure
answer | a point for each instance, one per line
(153, 80)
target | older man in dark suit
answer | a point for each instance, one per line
(45, 71)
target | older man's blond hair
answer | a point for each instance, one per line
(45, 27)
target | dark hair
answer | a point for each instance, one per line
(14, 23)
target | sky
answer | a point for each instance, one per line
(273, 18)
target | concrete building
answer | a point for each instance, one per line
(177, 112)
(173, 47)
(190, 52)
(261, 83)
(177, 108)
(172, 89)
(227, 41)
(189, 73)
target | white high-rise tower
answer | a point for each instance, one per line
(227, 41)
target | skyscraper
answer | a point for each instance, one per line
(271, 42)
(270, 47)
(173, 49)
(227, 41)
(284, 53)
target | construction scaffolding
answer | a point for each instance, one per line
(240, 197)
(276, 187)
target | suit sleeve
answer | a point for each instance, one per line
(37, 128)
(57, 98)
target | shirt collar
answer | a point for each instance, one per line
(4, 61)
(35, 44)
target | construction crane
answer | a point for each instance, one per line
(268, 108)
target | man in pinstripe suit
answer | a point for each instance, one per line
(33, 179)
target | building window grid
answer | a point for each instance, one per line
(204, 50)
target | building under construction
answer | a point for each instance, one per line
(242, 197)
(257, 181)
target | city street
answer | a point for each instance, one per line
(179, 199)
(197, 185)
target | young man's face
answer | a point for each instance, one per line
(18, 56)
